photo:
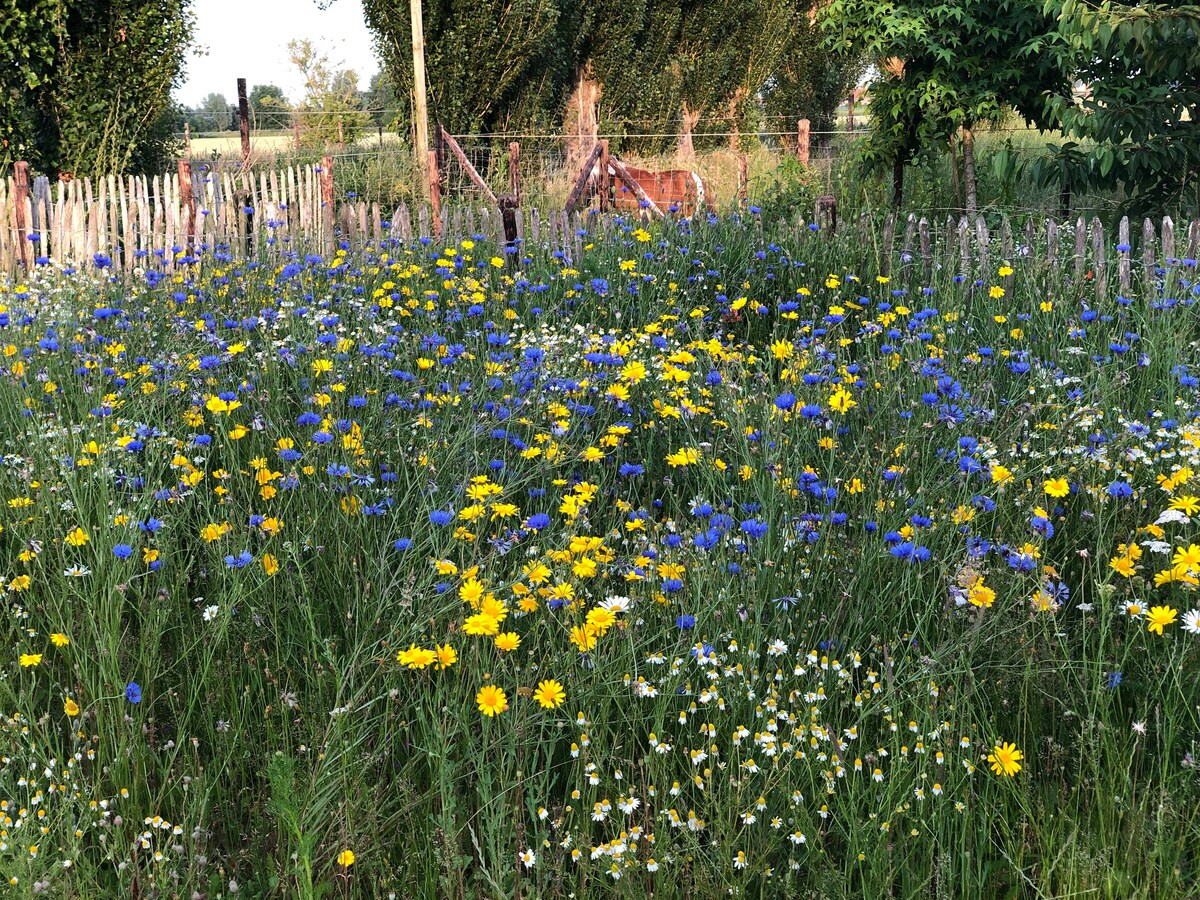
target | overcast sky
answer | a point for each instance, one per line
(248, 39)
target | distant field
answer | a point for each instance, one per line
(264, 142)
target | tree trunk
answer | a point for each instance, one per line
(735, 136)
(968, 148)
(581, 123)
(686, 150)
(898, 182)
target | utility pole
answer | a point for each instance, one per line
(421, 123)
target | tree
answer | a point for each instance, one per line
(489, 63)
(955, 64)
(1137, 127)
(380, 100)
(83, 82)
(807, 80)
(269, 108)
(659, 67)
(331, 109)
(215, 113)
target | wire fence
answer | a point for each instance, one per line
(380, 164)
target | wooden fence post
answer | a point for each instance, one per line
(327, 201)
(20, 196)
(244, 120)
(1148, 257)
(1099, 269)
(743, 179)
(605, 188)
(508, 219)
(514, 171)
(1123, 261)
(435, 191)
(187, 203)
(802, 145)
(825, 214)
(448, 140)
(889, 239)
(585, 177)
(850, 113)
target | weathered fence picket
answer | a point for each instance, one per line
(154, 221)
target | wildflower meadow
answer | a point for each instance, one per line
(708, 561)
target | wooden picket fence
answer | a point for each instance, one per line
(153, 222)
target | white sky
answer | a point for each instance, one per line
(248, 39)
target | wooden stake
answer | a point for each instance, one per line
(585, 175)
(187, 202)
(20, 196)
(435, 190)
(605, 178)
(327, 201)
(421, 112)
(514, 171)
(244, 120)
(802, 145)
(508, 217)
(296, 130)
(468, 168)
(850, 114)
(743, 180)
(187, 138)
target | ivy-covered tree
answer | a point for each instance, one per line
(484, 59)
(954, 64)
(661, 66)
(83, 83)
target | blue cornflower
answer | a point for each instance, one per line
(754, 528)
(133, 692)
(1120, 489)
(242, 559)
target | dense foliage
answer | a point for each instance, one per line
(946, 65)
(84, 84)
(1137, 129)
(957, 63)
(495, 65)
